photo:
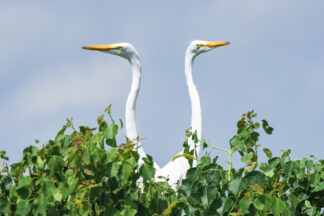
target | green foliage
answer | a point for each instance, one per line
(76, 174)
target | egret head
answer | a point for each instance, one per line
(197, 47)
(124, 50)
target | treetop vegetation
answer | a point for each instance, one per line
(84, 171)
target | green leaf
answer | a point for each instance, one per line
(226, 205)
(269, 173)
(244, 204)
(312, 211)
(111, 211)
(113, 169)
(66, 126)
(129, 209)
(259, 203)
(267, 152)
(40, 162)
(56, 163)
(293, 202)
(107, 110)
(24, 193)
(237, 143)
(236, 185)
(40, 204)
(247, 157)
(98, 140)
(322, 175)
(64, 190)
(147, 172)
(268, 201)
(319, 187)
(24, 181)
(86, 209)
(98, 157)
(57, 195)
(121, 123)
(286, 154)
(315, 179)
(308, 204)
(100, 119)
(88, 171)
(273, 162)
(126, 171)
(23, 208)
(133, 162)
(72, 183)
(86, 157)
(209, 195)
(255, 177)
(205, 160)
(278, 206)
(4, 205)
(110, 133)
(49, 187)
(3, 155)
(264, 166)
(148, 160)
(266, 127)
(83, 129)
(241, 124)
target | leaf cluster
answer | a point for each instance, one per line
(279, 186)
(84, 172)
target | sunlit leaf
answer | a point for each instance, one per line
(319, 187)
(237, 143)
(267, 152)
(205, 160)
(247, 157)
(56, 163)
(278, 206)
(23, 208)
(259, 203)
(147, 171)
(110, 133)
(24, 181)
(244, 204)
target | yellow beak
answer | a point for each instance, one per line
(214, 44)
(102, 47)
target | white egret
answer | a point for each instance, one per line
(176, 170)
(128, 52)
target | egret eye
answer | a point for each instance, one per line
(200, 45)
(120, 48)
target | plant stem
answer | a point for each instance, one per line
(215, 147)
(230, 152)
(111, 118)
(230, 164)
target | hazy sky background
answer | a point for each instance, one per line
(274, 65)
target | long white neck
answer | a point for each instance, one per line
(196, 117)
(131, 123)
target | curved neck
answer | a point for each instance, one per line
(131, 123)
(196, 118)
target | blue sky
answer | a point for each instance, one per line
(274, 65)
